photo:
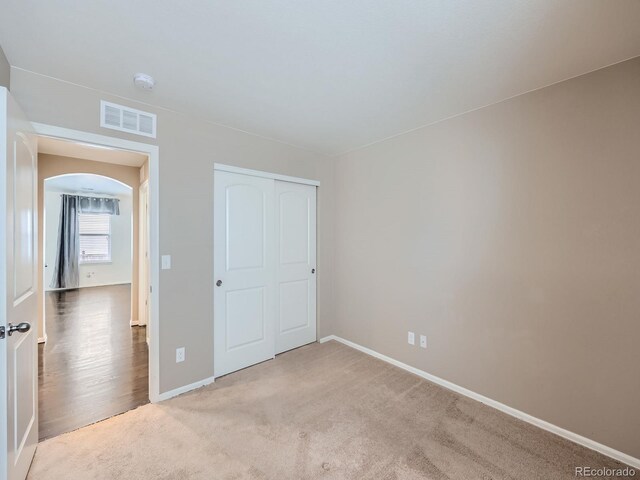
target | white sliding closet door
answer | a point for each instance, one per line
(295, 217)
(244, 269)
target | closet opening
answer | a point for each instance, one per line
(264, 266)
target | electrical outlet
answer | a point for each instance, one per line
(179, 354)
(423, 341)
(411, 338)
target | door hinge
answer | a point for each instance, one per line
(150, 288)
(1, 333)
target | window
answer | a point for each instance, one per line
(95, 238)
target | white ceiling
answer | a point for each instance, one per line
(330, 75)
(65, 148)
(87, 184)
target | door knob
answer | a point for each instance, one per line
(23, 327)
(219, 283)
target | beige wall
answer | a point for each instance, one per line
(5, 70)
(510, 236)
(53, 165)
(188, 150)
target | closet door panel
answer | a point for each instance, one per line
(244, 271)
(295, 218)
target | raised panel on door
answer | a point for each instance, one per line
(245, 245)
(296, 263)
(24, 166)
(18, 304)
(244, 275)
(246, 318)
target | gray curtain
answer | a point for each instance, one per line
(66, 273)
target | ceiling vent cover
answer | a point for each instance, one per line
(126, 119)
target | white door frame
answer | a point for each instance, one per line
(153, 152)
(259, 173)
(143, 250)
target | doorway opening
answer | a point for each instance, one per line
(94, 273)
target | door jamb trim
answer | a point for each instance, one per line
(259, 173)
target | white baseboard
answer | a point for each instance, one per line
(179, 391)
(574, 437)
(328, 338)
(133, 323)
(42, 339)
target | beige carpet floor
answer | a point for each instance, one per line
(321, 411)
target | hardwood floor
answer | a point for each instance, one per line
(94, 365)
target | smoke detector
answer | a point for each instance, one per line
(144, 81)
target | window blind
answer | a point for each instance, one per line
(95, 238)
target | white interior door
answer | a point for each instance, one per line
(244, 271)
(18, 292)
(296, 265)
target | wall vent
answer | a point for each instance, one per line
(126, 119)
